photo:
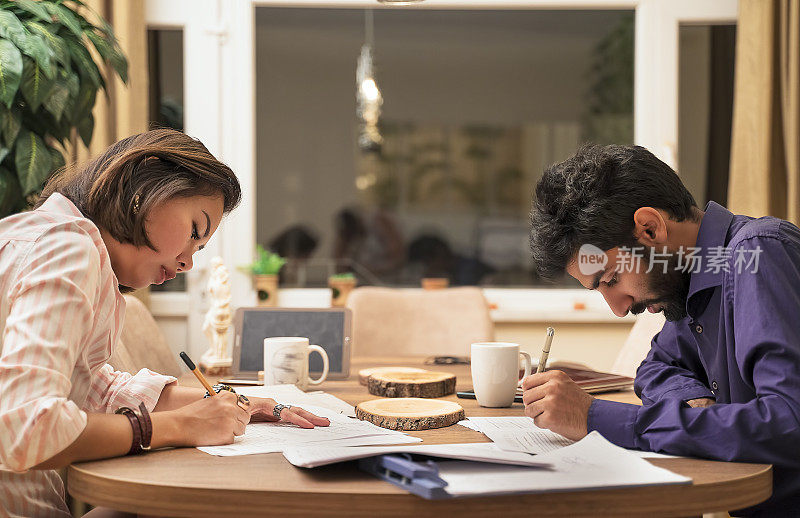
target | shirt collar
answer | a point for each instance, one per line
(57, 203)
(713, 233)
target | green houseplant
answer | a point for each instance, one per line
(341, 284)
(48, 85)
(266, 263)
(265, 275)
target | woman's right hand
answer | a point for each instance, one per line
(211, 421)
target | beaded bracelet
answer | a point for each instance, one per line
(219, 387)
(242, 400)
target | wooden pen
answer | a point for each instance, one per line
(199, 375)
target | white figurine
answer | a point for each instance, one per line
(217, 319)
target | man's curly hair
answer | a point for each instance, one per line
(591, 197)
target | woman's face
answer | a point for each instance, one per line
(177, 228)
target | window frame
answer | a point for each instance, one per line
(220, 101)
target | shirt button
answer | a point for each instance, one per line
(699, 329)
(714, 385)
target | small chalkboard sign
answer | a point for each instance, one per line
(327, 327)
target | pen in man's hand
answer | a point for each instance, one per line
(548, 339)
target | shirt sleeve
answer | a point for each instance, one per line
(51, 309)
(670, 369)
(766, 341)
(113, 389)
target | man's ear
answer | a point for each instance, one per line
(649, 227)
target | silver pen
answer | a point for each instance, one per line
(548, 339)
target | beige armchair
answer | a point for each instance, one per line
(415, 322)
(142, 345)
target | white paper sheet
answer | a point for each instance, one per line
(312, 457)
(537, 436)
(466, 423)
(653, 455)
(591, 463)
(291, 395)
(518, 434)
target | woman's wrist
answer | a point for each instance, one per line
(167, 430)
(174, 396)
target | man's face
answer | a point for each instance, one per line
(624, 281)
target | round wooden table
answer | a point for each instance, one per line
(187, 482)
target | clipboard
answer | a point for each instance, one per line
(418, 477)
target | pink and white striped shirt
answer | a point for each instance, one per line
(61, 313)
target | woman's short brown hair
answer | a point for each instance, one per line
(118, 189)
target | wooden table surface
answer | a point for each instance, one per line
(187, 482)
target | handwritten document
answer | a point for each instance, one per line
(517, 434)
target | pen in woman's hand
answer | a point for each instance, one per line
(199, 375)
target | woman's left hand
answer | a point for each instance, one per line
(261, 410)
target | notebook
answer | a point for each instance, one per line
(592, 381)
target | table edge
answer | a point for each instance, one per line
(135, 496)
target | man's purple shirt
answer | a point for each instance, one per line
(740, 345)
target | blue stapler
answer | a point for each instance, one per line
(418, 477)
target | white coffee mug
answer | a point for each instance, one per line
(495, 372)
(286, 361)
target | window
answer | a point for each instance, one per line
(165, 69)
(705, 109)
(476, 104)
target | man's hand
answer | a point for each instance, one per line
(702, 402)
(555, 402)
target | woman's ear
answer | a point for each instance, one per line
(649, 227)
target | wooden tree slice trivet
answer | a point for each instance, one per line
(363, 374)
(410, 413)
(411, 384)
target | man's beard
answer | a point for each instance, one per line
(670, 290)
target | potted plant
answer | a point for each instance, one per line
(341, 285)
(265, 275)
(48, 86)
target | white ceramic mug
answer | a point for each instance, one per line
(286, 361)
(495, 372)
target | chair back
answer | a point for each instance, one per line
(416, 322)
(142, 345)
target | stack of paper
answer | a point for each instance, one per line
(276, 437)
(591, 463)
(517, 434)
